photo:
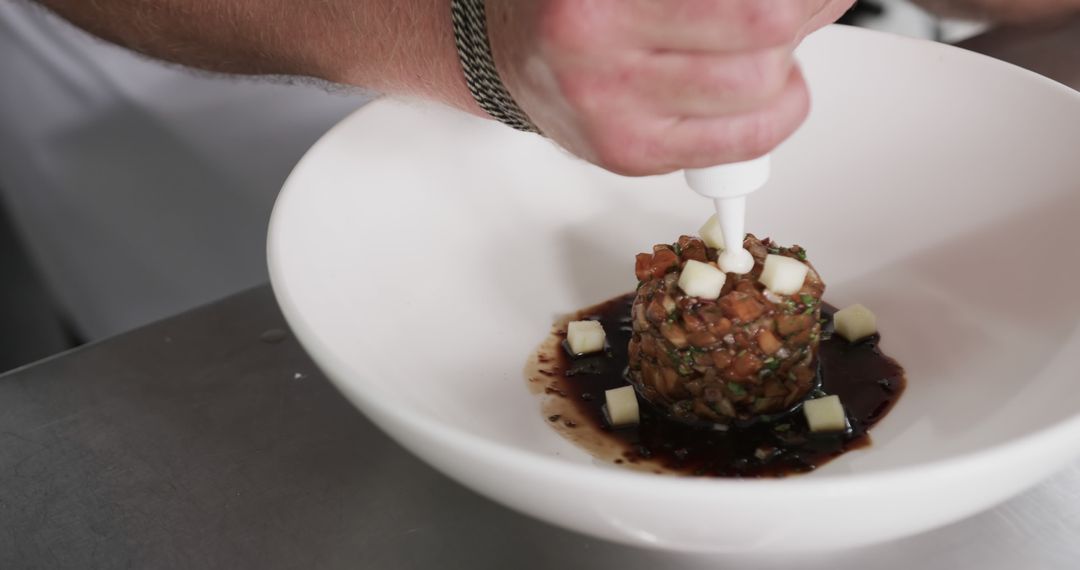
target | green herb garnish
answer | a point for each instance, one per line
(737, 389)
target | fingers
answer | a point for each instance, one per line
(694, 85)
(649, 86)
(721, 25)
(678, 84)
(707, 141)
(653, 145)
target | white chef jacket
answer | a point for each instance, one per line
(141, 189)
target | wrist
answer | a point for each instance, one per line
(473, 24)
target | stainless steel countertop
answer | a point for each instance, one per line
(199, 442)
(204, 442)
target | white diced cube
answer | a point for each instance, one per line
(585, 337)
(622, 406)
(783, 275)
(855, 322)
(701, 280)
(825, 414)
(710, 233)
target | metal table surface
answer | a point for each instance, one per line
(205, 441)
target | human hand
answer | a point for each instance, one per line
(649, 86)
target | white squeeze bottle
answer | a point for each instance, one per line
(728, 185)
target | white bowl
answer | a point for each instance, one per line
(421, 255)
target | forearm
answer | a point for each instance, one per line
(637, 87)
(392, 46)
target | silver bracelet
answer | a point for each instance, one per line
(474, 52)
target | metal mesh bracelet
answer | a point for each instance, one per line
(474, 52)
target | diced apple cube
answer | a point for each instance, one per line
(701, 280)
(622, 406)
(855, 322)
(585, 337)
(783, 275)
(825, 414)
(710, 233)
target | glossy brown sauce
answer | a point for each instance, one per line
(867, 382)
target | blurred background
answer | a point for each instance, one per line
(132, 190)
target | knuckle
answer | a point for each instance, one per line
(596, 93)
(762, 132)
(574, 89)
(756, 74)
(582, 93)
(773, 23)
(758, 137)
(565, 25)
(625, 151)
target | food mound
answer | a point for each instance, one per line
(715, 348)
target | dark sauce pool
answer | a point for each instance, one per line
(867, 382)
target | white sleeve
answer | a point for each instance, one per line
(141, 189)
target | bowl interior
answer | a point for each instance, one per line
(429, 252)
